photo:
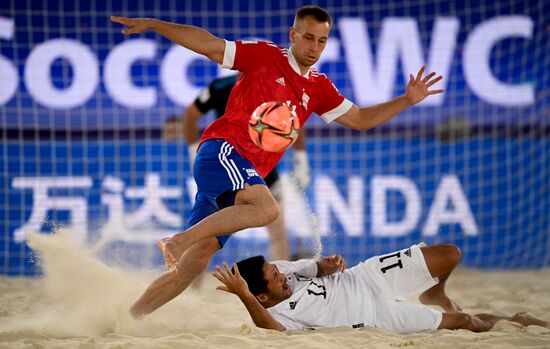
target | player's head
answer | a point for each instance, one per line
(264, 280)
(309, 34)
(172, 128)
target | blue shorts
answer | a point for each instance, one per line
(220, 172)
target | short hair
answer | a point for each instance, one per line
(252, 271)
(172, 118)
(320, 14)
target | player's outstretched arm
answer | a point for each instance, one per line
(190, 37)
(234, 283)
(417, 90)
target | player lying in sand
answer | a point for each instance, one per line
(313, 294)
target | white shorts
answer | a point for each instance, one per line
(397, 276)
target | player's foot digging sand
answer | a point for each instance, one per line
(526, 320)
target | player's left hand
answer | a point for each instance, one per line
(418, 88)
(330, 265)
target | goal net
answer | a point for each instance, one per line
(83, 110)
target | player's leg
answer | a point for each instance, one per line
(170, 284)
(441, 260)
(254, 207)
(278, 237)
(232, 183)
(191, 263)
(484, 322)
(404, 317)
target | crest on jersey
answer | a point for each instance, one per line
(292, 305)
(305, 100)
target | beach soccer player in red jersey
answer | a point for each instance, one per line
(229, 168)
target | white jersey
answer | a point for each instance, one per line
(368, 294)
(342, 299)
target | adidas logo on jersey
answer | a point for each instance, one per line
(281, 81)
(292, 305)
(408, 253)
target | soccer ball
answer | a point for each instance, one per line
(273, 126)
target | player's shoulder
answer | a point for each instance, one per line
(265, 45)
(257, 42)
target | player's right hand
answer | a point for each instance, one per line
(234, 282)
(133, 25)
(331, 264)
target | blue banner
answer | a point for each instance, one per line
(398, 192)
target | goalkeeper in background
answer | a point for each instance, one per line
(214, 97)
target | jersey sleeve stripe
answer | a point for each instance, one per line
(229, 54)
(333, 114)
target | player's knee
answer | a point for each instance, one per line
(454, 254)
(270, 212)
(451, 254)
(266, 208)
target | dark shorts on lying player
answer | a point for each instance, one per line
(219, 171)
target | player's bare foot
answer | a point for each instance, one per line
(447, 304)
(527, 320)
(166, 247)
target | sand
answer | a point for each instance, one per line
(82, 303)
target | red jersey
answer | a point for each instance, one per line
(270, 73)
